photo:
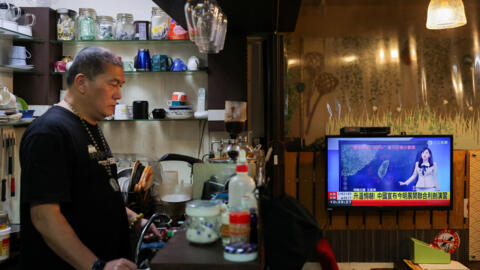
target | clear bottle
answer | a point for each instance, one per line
(160, 24)
(65, 25)
(240, 184)
(105, 26)
(85, 24)
(124, 28)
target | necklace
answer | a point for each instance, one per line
(108, 155)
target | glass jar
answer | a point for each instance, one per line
(65, 25)
(124, 28)
(203, 221)
(85, 24)
(104, 28)
(160, 23)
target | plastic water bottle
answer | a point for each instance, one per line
(201, 113)
(241, 184)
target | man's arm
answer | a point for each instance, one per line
(62, 239)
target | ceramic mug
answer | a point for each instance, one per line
(19, 52)
(121, 112)
(140, 109)
(25, 20)
(10, 25)
(25, 29)
(128, 66)
(159, 113)
(161, 62)
(178, 65)
(178, 99)
(60, 66)
(193, 63)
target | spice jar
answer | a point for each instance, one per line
(65, 25)
(239, 227)
(224, 229)
(104, 28)
(203, 221)
(85, 24)
(160, 23)
(125, 30)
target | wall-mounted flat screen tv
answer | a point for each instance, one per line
(389, 172)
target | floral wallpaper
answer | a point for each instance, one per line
(414, 83)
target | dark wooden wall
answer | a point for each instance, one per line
(374, 235)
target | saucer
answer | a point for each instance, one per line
(179, 114)
(26, 67)
(180, 107)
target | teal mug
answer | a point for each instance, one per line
(161, 62)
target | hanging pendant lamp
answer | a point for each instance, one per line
(444, 14)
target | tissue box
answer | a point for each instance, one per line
(421, 252)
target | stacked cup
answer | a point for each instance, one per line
(18, 56)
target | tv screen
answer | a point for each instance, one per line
(389, 172)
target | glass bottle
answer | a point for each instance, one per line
(160, 24)
(65, 25)
(105, 28)
(124, 28)
(85, 24)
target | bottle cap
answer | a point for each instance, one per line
(242, 162)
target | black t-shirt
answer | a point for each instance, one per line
(60, 165)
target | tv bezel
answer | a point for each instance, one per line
(387, 208)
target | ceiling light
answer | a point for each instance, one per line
(444, 14)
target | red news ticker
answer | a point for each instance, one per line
(400, 202)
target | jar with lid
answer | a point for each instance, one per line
(124, 28)
(160, 24)
(203, 221)
(104, 28)
(85, 24)
(65, 25)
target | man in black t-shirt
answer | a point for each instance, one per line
(72, 213)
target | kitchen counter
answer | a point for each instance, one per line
(178, 253)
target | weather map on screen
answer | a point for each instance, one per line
(394, 171)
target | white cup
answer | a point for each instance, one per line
(19, 52)
(28, 22)
(121, 112)
(10, 25)
(25, 29)
(193, 63)
(17, 62)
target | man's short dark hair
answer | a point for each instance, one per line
(91, 61)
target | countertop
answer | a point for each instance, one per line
(178, 253)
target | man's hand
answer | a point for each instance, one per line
(152, 232)
(120, 264)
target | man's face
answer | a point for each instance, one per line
(104, 91)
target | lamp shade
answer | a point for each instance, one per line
(444, 14)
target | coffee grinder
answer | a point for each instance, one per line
(235, 118)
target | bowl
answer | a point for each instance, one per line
(27, 113)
